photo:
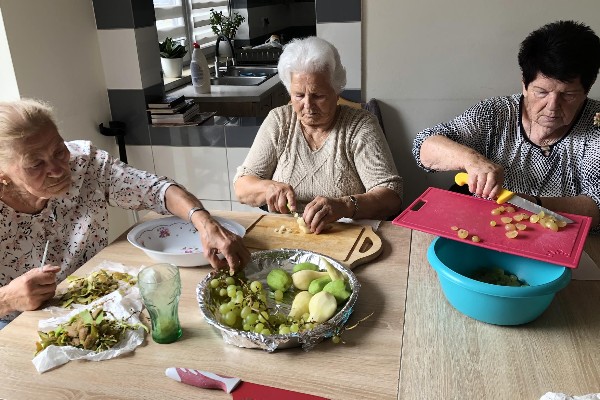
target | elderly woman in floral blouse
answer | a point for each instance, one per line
(57, 191)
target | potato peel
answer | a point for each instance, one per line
(84, 290)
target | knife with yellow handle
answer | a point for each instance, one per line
(505, 195)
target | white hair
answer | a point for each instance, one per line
(21, 119)
(310, 55)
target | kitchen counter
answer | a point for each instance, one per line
(239, 101)
(235, 94)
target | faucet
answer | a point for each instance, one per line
(221, 37)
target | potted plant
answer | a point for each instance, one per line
(171, 57)
(225, 27)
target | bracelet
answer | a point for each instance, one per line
(355, 202)
(193, 210)
(537, 199)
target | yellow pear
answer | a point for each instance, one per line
(300, 305)
(302, 279)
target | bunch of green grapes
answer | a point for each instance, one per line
(240, 304)
(497, 276)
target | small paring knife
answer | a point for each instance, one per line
(462, 178)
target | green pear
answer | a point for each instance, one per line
(338, 289)
(279, 279)
(305, 265)
(318, 284)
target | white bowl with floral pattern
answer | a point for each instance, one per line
(175, 241)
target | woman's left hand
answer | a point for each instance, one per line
(216, 239)
(322, 211)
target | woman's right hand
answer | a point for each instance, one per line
(278, 196)
(485, 178)
(30, 290)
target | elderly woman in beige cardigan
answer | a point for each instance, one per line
(317, 157)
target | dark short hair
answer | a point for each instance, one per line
(562, 50)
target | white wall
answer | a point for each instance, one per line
(427, 61)
(8, 82)
(56, 57)
(346, 37)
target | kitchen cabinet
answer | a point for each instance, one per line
(202, 170)
(202, 158)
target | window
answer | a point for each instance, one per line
(187, 21)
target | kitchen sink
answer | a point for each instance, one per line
(246, 70)
(244, 75)
(238, 80)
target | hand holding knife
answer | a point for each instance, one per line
(506, 195)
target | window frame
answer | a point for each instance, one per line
(189, 24)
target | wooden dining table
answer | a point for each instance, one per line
(414, 345)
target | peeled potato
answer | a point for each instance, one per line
(302, 225)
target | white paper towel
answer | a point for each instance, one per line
(125, 303)
(562, 396)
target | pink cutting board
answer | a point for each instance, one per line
(436, 210)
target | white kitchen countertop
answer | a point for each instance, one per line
(222, 93)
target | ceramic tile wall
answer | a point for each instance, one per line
(239, 140)
(345, 37)
(237, 206)
(204, 159)
(217, 205)
(120, 44)
(340, 22)
(202, 170)
(131, 63)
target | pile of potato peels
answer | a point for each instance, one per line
(97, 284)
(89, 330)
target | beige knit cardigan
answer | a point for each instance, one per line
(354, 158)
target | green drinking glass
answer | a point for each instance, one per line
(160, 286)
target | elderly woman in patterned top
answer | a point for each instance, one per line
(542, 143)
(327, 160)
(57, 191)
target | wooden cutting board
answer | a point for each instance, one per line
(436, 210)
(349, 244)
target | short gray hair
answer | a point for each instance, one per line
(20, 119)
(310, 55)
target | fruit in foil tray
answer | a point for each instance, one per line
(317, 296)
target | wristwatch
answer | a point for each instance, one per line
(355, 203)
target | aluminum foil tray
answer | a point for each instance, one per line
(262, 262)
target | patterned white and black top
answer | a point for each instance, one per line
(494, 128)
(76, 224)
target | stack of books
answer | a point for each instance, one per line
(173, 111)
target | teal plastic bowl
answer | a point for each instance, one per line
(495, 304)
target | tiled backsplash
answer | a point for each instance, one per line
(202, 158)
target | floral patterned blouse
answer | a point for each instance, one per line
(76, 224)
